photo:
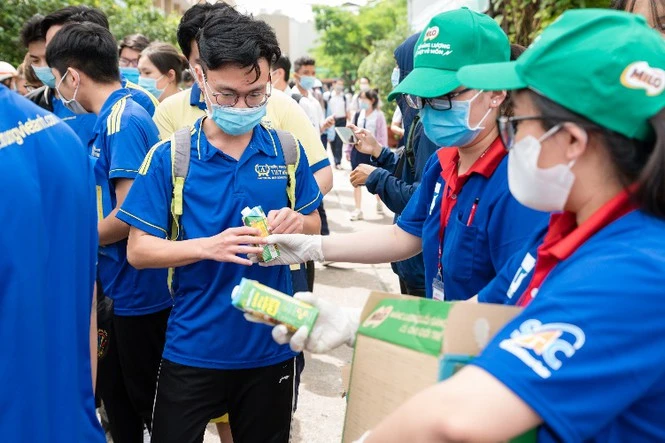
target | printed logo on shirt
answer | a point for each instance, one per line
(271, 172)
(528, 263)
(96, 152)
(437, 191)
(378, 317)
(640, 75)
(543, 346)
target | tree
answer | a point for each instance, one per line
(125, 17)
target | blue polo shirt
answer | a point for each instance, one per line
(82, 124)
(195, 97)
(124, 133)
(587, 353)
(473, 252)
(204, 329)
(49, 243)
(140, 95)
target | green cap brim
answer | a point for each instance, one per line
(427, 82)
(491, 77)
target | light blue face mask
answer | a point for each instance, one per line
(363, 105)
(307, 82)
(394, 78)
(150, 85)
(450, 129)
(44, 75)
(131, 74)
(232, 120)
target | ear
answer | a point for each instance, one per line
(171, 75)
(497, 98)
(577, 140)
(198, 74)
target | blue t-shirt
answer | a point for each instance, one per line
(82, 124)
(124, 133)
(587, 353)
(204, 329)
(472, 255)
(48, 242)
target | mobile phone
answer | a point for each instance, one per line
(347, 135)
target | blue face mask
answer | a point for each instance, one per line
(131, 74)
(44, 75)
(150, 85)
(307, 82)
(394, 78)
(363, 105)
(237, 121)
(450, 129)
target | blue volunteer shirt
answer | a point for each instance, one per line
(204, 329)
(475, 247)
(49, 243)
(140, 95)
(124, 133)
(587, 353)
(82, 124)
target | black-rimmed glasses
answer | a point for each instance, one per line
(228, 99)
(443, 103)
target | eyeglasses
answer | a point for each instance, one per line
(508, 127)
(126, 63)
(443, 103)
(254, 99)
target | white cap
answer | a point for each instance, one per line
(7, 71)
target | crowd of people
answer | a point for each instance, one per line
(530, 177)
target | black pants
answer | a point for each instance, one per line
(140, 345)
(124, 423)
(325, 230)
(336, 143)
(258, 400)
(409, 290)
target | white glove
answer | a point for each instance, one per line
(294, 249)
(333, 328)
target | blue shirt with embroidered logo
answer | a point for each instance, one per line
(124, 133)
(48, 242)
(587, 353)
(204, 329)
(475, 247)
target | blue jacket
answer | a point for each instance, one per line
(395, 187)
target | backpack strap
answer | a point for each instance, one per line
(291, 157)
(180, 156)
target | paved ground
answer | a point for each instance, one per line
(320, 415)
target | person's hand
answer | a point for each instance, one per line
(328, 123)
(366, 143)
(333, 328)
(359, 175)
(226, 247)
(293, 249)
(286, 221)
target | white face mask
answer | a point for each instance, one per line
(544, 190)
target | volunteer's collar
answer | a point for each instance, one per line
(485, 165)
(196, 97)
(262, 141)
(564, 225)
(107, 107)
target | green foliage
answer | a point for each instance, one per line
(346, 38)
(125, 17)
(523, 20)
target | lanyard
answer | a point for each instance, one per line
(447, 204)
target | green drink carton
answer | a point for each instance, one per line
(273, 307)
(256, 218)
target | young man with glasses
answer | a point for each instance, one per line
(215, 360)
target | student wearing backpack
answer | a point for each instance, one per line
(214, 360)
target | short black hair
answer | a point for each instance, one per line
(284, 63)
(237, 39)
(303, 61)
(192, 22)
(74, 14)
(87, 47)
(137, 42)
(32, 30)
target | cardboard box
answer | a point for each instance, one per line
(406, 344)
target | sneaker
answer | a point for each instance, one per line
(356, 215)
(379, 208)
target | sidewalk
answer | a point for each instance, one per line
(320, 415)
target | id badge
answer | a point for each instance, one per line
(437, 289)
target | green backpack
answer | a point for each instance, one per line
(180, 157)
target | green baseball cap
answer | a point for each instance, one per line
(607, 66)
(451, 40)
